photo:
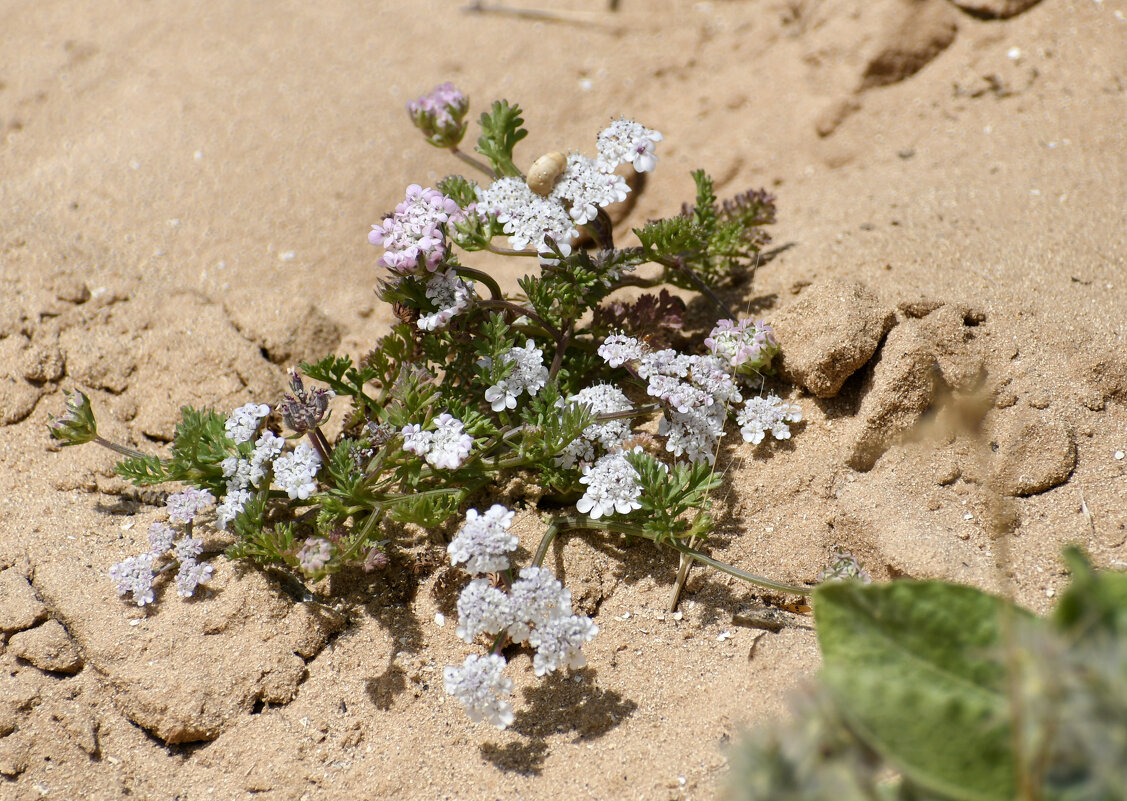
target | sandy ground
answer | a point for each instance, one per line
(185, 191)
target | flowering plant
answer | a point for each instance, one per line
(473, 385)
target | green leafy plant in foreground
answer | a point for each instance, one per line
(942, 692)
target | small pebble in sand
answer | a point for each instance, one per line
(1119, 456)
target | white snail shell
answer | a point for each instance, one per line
(544, 171)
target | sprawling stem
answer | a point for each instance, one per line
(577, 522)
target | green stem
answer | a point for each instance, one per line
(561, 348)
(484, 277)
(128, 453)
(509, 251)
(519, 310)
(475, 163)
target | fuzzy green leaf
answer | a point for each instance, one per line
(1095, 604)
(916, 670)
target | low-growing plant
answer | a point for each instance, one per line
(558, 383)
(940, 692)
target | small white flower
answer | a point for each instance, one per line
(190, 575)
(627, 141)
(694, 434)
(188, 549)
(585, 188)
(484, 542)
(295, 472)
(161, 536)
(242, 425)
(527, 218)
(135, 575)
(449, 444)
(608, 435)
(479, 684)
(612, 486)
(528, 375)
(558, 641)
(667, 362)
(185, 505)
(760, 415)
(232, 506)
(415, 440)
(617, 349)
(534, 599)
(482, 608)
(450, 294)
(266, 450)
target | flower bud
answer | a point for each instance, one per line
(77, 425)
(303, 410)
(440, 115)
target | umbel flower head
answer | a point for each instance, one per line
(414, 237)
(760, 415)
(746, 346)
(479, 685)
(583, 187)
(440, 115)
(446, 447)
(484, 542)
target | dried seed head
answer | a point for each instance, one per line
(544, 171)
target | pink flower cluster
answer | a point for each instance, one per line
(746, 346)
(440, 115)
(415, 235)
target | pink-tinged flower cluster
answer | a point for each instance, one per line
(440, 115)
(746, 346)
(414, 237)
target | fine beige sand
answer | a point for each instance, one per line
(185, 193)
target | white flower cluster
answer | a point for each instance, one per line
(294, 472)
(136, 573)
(484, 542)
(528, 375)
(583, 187)
(450, 294)
(608, 435)
(760, 415)
(242, 425)
(527, 218)
(536, 609)
(479, 684)
(628, 141)
(698, 390)
(446, 447)
(612, 486)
